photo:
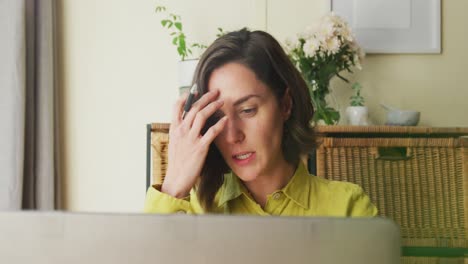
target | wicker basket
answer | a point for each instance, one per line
(418, 177)
(159, 138)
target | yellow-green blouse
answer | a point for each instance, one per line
(304, 195)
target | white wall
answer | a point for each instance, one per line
(117, 69)
(118, 73)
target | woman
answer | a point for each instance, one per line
(238, 149)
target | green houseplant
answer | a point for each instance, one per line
(188, 61)
(174, 24)
(320, 53)
(356, 99)
(357, 113)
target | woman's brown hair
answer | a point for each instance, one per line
(262, 54)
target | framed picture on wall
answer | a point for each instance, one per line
(393, 26)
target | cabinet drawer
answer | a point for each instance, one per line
(421, 183)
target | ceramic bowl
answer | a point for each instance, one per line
(403, 118)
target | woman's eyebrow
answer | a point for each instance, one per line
(245, 98)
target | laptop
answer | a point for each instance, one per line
(65, 237)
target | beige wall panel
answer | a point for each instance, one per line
(118, 72)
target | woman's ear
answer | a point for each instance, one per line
(286, 104)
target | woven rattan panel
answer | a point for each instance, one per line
(159, 145)
(425, 191)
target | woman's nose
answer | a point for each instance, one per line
(233, 132)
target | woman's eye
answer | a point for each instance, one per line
(248, 111)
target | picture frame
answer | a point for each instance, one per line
(393, 26)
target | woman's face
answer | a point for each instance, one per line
(251, 140)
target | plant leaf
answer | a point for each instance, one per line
(175, 17)
(182, 43)
(160, 8)
(178, 25)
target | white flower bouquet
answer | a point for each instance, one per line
(320, 53)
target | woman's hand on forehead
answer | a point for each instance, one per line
(188, 146)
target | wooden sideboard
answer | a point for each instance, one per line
(417, 176)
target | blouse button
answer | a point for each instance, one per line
(276, 196)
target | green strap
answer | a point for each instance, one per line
(434, 252)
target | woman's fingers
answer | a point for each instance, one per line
(187, 150)
(199, 105)
(214, 131)
(179, 109)
(202, 116)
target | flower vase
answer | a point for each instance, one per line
(357, 115)
(324, 111)
(321, 53)
(186, 70)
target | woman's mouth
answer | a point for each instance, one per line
(244, 158)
